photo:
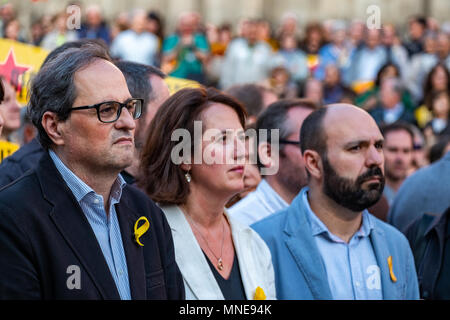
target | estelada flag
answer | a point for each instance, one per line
(19, 63)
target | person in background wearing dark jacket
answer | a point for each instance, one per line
(417, 26)
(72, 228)
(2, 94)
(94, 26)
(429, 237)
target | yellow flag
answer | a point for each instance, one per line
(19, 63)
(176, 84)
(7, 148)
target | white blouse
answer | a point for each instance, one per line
(255, 262)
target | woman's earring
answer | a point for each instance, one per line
(188, 177)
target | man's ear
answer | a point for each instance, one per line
(265, 154)
(53, 127)
(313, 163)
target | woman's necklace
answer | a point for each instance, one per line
(219, 259)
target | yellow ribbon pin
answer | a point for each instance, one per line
(259, 294)
(139, 231)
(391, 269)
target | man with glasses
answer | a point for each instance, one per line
(72, 228)
(143, 81)
(276, 191)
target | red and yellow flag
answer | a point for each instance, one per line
(19, 63)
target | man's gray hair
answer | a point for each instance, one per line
(53, 89)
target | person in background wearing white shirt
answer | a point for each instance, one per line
(276, 191)
(368, 59)
(136, 44)
(247, 60)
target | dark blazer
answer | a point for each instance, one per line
(19, 162)
(43, 232)
(427, 237)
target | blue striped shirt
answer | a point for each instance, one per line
(106, 227)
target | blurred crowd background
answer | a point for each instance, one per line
(399, 71)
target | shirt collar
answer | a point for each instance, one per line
(79, 188)
(271, 195)
(391, 115)
(318, 227)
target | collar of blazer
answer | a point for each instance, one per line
(305, 253)
(198, 276)
(73, 225)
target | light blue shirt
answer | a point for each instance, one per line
(244, 63)
(366, 63)
(106, 228)
(257, 204)
(352, 269)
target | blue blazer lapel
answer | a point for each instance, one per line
(303, 248)
(382, 253)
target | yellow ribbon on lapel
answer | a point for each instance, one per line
(139, 231)
(259, 294)
(391, 269)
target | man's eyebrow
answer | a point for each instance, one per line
(109, 99)
(361, 142)
(355, 143)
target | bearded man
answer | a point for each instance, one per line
(326, 245)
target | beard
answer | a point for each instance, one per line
(350, 193)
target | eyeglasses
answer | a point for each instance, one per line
(282, 141)
(109, 111)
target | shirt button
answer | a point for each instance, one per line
(120, 272)
(96, 201)
(357, 283)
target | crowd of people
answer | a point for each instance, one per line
(356, 156)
